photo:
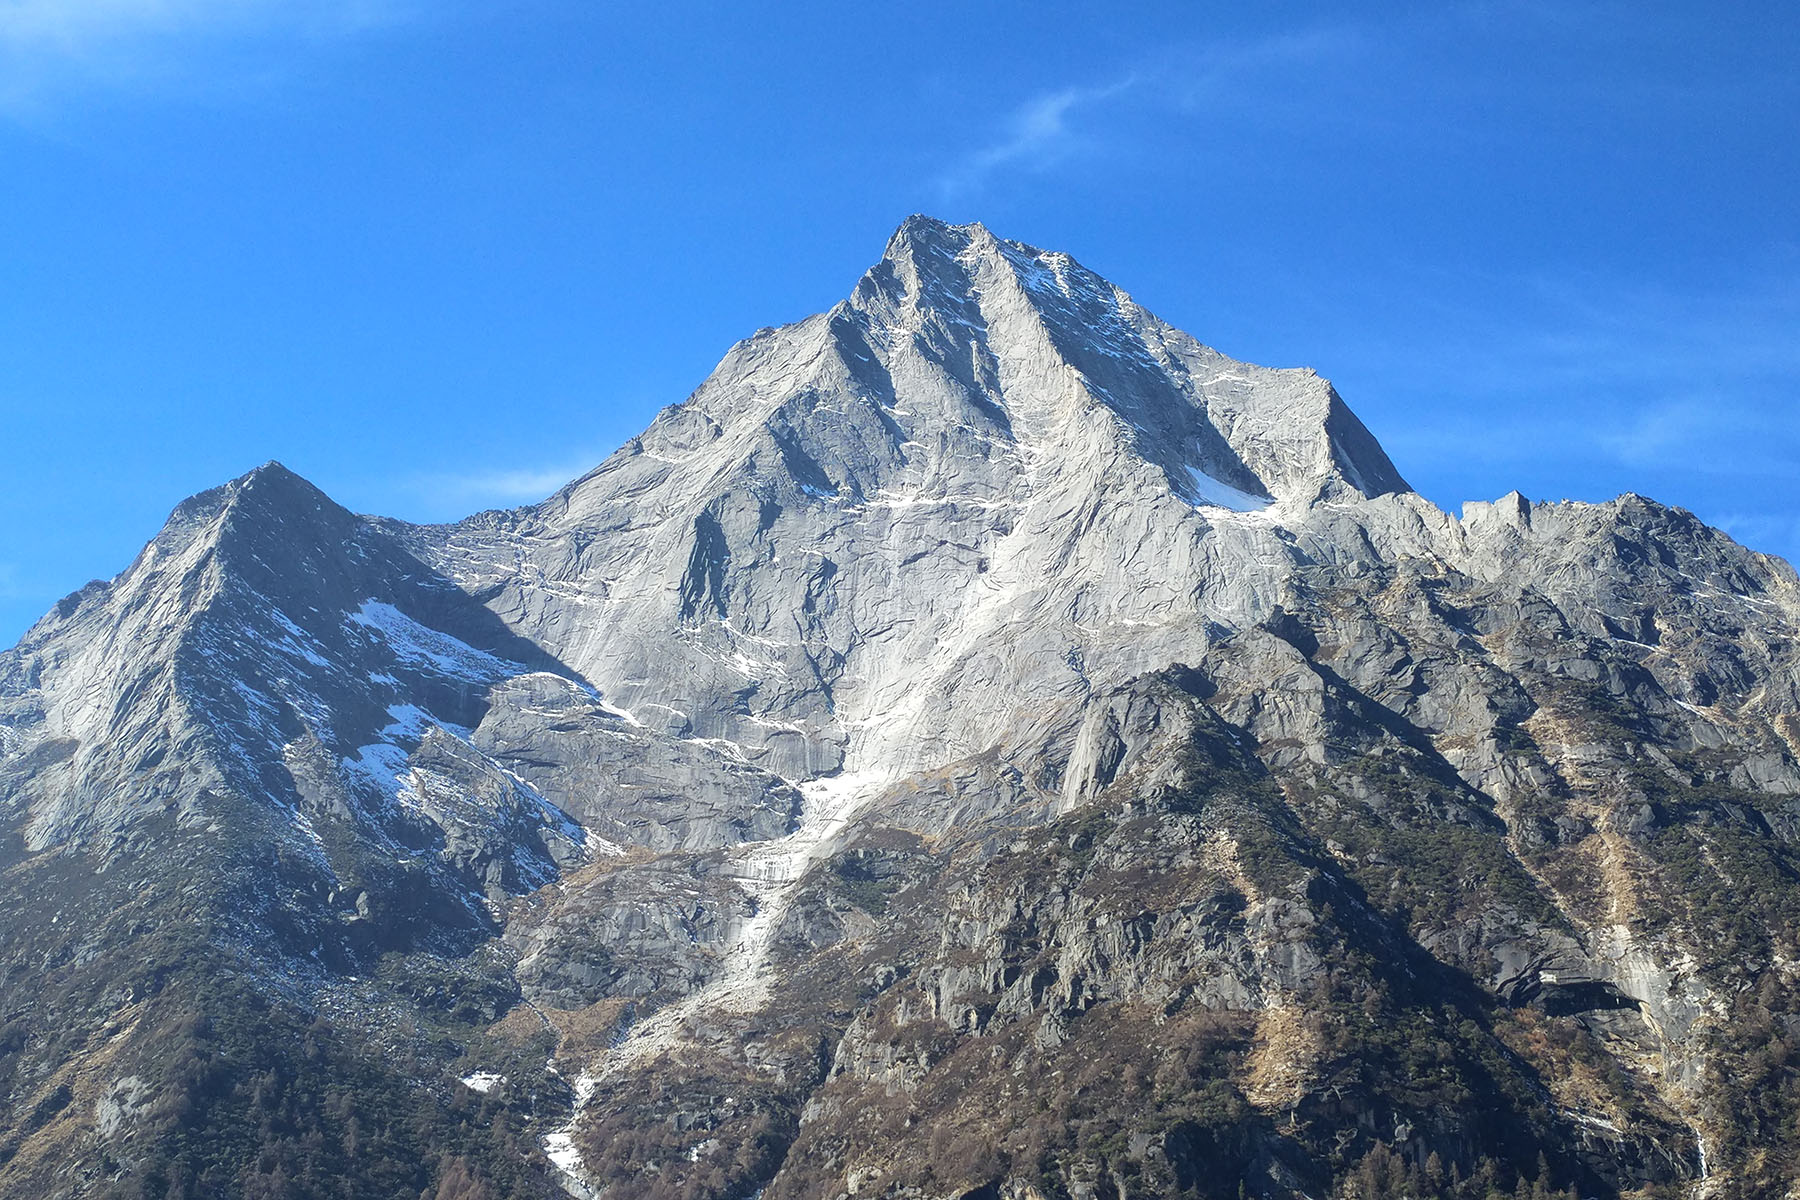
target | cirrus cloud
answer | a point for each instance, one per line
(52, 49)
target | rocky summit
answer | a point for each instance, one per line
(983, 744)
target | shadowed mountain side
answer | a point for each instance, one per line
(982, 745)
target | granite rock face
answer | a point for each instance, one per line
(866, 528)
(982, 743)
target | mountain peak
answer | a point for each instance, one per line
(981, 663)
(274, 483)
(955, 255)
(920, 231)
(991, 428)
(921, 228)
(1047, 340)
(271, 472)
(271, 486)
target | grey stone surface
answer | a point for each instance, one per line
(755, 725)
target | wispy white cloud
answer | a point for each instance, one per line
(1199, 77)
(1714, 436)
(1061, 125)
(499, 487)
(1772, 533)
(50, 49)
(1579, 384)
(1639, 376)
(73, 26)
(1036, 135)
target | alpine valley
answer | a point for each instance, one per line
(982, 745)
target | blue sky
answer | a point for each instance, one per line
(443, 256)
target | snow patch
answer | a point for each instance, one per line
(296, 639)
(770, 872)
(483, 1081)
(559, 1143)
(422, 646)
(1203, 491)
(383, 766)
(411, 721)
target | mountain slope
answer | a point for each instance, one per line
(973, 439)
(982, 743)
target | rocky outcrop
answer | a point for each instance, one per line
(982, 743)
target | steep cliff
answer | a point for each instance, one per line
(982, 743)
